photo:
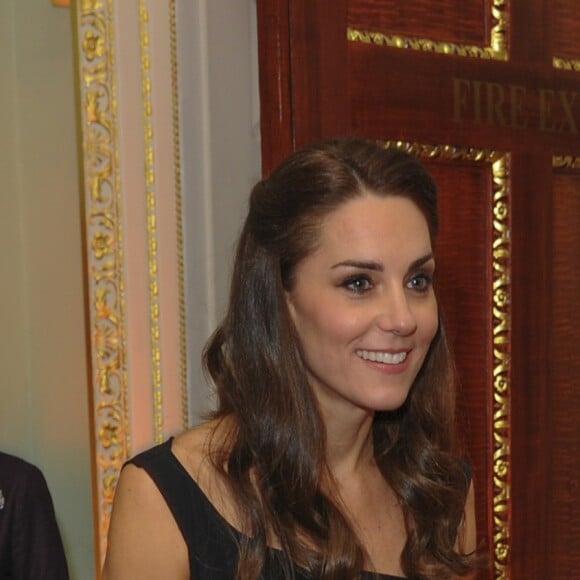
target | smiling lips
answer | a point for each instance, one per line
(389, 358)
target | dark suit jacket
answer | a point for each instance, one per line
(30, 543)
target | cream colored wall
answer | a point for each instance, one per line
(221, 161)
(43, 405)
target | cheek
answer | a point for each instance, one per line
(430, 322)
(339, 327)
(324, 322)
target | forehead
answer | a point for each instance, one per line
(374, 222)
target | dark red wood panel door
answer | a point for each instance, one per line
(487, 92)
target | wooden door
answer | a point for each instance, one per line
(487, 92)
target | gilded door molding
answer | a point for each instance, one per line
(496, 48)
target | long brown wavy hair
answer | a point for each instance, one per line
(274, 459)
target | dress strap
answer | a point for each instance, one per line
(210, 543)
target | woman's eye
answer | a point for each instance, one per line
(357, 284)
(420, 282)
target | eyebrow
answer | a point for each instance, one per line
(377, 266)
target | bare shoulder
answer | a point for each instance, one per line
(197, 448)
(144, 539)
(193, 447)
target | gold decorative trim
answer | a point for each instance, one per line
(178, 213)
(106, 293)
(450, 152)
(566, 162)
(501, 334)
(497, 48)
(151, 204)
(566, 64)
(501, 371)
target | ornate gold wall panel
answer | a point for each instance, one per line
(104, 234)
(124, 209)
(497, 47)
(500, 335)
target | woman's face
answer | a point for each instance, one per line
(363, 304)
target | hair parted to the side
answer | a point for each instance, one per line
(274, 460)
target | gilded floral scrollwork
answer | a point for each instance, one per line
(103, 225)
(93, 45)
(501, 371)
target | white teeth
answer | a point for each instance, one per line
(383, 357)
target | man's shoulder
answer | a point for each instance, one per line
(17, 471)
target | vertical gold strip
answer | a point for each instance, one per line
(501, 293)
(104, 253)
(178, 213)
(151, 212)
(499, 40)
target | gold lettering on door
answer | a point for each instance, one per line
(515, 107)
(547, 98)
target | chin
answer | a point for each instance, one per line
(390, 408)
(390, 404)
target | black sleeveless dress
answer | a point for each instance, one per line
(210, 539)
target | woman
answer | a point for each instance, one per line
(331, 453)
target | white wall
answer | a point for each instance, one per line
(218, 66)
(43, 408)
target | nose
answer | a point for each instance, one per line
(396, 314)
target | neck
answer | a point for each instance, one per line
(349, 445)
